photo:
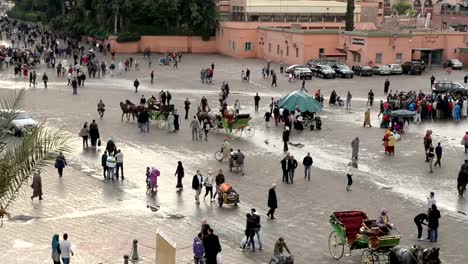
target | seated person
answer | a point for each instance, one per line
(383, 222)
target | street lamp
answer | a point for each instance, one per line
(115, 7)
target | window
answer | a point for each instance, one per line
(248, 46)
(321, 50)
(277, 49)
(380, 5)
(287, 50)
(378, 58)
(297, 52)
(232, 45)
(356, 57)
(398, 58)
(269, 47)
(444, 25)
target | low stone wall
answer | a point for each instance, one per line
(163, 44)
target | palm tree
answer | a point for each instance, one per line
(19, 160)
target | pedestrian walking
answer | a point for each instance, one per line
(65, 249)
(307, 162)
(186, 107)
(367, 121)
(55, 249)
(256, 101)
(198, 249)
(267, 118)
(180, 175)
(419, 221)
(176, 121)
(465, 141)
(430, 155)
(170, 122)
(94, 133)
(247, 75)
(273, 80)
(37, 185)
(438, 153)
(111, 163)
(219, 179)
(272, 201)
(432, 81)
(249, 233)
(195, 125)
(136, 83)
(119, 158)
(143, 121)
(212, 246)
(391, 144)
(104, 163)
(45, 79)
(285, 138)
(386, 86)
(258, 225)
(208, 183)
(60, 163)
(84, 133)
(430, 201)
(348, 100)
(427, 142)
(74, 85)
(168, 97)
(433, 224)
(101, 108)
(355, 148)
(197, 184)
(292, 168)
(462, 179)
(205, 127)
(285, 164)
(349, 175)
(152, 76)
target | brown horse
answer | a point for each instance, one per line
(129, 108)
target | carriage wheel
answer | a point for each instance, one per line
(249, 131)
(237, 132)
(367, 256)
(335, 246)
(161, 121)
(218, 155)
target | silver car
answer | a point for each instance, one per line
(21, 122)
(395, 68)
(382, 70)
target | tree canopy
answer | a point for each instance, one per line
(146, 17)
(402, 7)
(349, 16)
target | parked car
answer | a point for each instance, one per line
(291, 68)
(395, 68)
(343, 71)
(363, 70)
(303, 73)
(454, 63)
(449, 86)
(324, 71)
(420, 63)
(382, 70)
(20, 122)
(312, 63)
(412, 67)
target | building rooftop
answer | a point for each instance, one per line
(296, 6)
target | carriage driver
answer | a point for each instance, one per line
(383, 222)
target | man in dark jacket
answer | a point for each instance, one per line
(292, 167)
(462, 179)
(212, 247)
(386, 86)
(197, 184)
(433, 224)
(438, 152)
(104, 163)
(285, 167)
(307, 162)
(272, 202)
(186, 107)
(419, 221)
(285, 138)
(136, 83)
(219, 179)
(256, 101)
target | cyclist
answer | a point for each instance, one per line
(101, 108)
(278, 250)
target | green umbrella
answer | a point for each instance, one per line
(300, 99)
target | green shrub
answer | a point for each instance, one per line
(26, 16)
(128, 37)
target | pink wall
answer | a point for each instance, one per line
(164, 44)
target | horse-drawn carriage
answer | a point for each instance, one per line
(159, 114)
(235, 124)
(354, 229)
(156, 111)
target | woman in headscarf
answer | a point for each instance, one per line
(180, 175)
(154, 174)
(385, 140)
(391, 144)
(55, 249)
(37, 185)
(383, 222)
(170, 122)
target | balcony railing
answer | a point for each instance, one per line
(454, 12)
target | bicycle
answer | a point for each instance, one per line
(218, 155)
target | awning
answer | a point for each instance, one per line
(426, 49)
(333, 54)
(355, 49)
